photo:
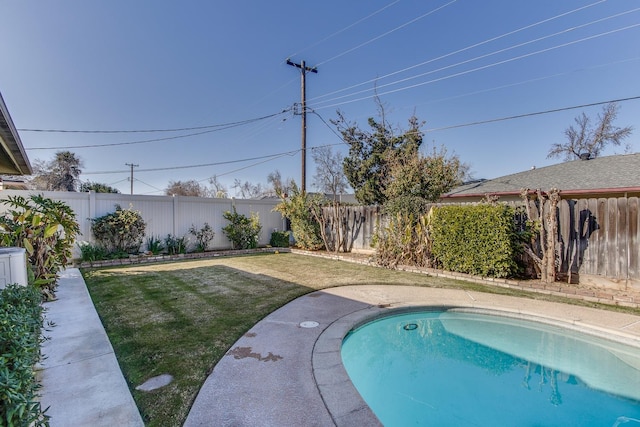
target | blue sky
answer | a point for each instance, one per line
(153, 65)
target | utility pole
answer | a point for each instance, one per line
(303, 90)
(131, 179)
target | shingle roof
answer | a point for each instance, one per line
(602, 173)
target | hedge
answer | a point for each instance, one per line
(20, 326)
(475, 239)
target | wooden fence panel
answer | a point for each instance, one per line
(634, 238)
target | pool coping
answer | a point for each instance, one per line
(341, 398)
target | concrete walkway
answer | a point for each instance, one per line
(82, 384)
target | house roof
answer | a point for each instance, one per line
(13, 159)
(602, 175)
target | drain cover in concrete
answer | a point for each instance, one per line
(155, 382)
(309, 324)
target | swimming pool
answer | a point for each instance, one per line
(463, 368)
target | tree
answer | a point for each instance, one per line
(279, 186)
(187, 188)
(60, 174)
(248, 190)
(584, 139)
(218, 190)
(329, 177)
(417, 180)
(97, 187)
(367, 165)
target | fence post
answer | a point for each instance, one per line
(174, 220)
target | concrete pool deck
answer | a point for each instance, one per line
(287, 369)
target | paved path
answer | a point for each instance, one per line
(82, 383)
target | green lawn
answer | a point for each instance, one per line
(180, 318)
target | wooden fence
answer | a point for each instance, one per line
(598, 239)
(163, 214)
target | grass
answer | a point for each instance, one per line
(181, 318)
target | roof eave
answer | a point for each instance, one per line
(564, 193)
(15, 160)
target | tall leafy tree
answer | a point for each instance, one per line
(587, 139)
(60, 174)
(418, 180)
(367, 166)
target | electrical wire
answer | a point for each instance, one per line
(459, 50)
(146, 141)
(344, 29)
(536, 79)
(386, 33)
(229, 124)
(482, 67)
(194, 166)
(267, 158)
(377, 87)
(537, 113)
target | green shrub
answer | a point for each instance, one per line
(476, 239)
(203, 236)
(119, 231)
(297, 208)
(175, 245)
(90, 252)
(279, 239)
(46, 229)
(242, 231)
(20, 325)
(154, 245)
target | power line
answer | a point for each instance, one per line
(266, 158)
(482, 67)
(537, 113)
(461, 50)
(196, 166)
(344, 29)
(229, 124)
(388, 32)
(145, 141)
(377, 87)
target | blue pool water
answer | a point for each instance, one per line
(454, 368)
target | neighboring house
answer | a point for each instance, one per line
(13, 159)
(611, 176)
(10, 182)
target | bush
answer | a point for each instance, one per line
(297, 208)
(403, 241)
(46, 229)
(478, 239)
(203, 236)
(175, 245)
(154, 245)
(279, 239)
(243, 231)
(120, 231)
(20, 325)
(90, 252)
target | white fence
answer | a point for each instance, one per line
(163, 214)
